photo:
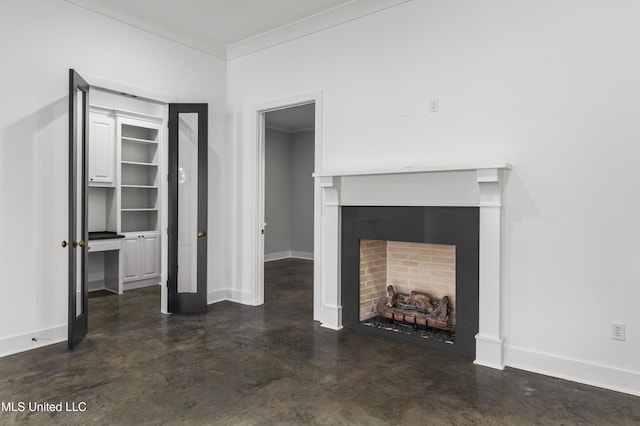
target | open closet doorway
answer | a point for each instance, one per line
(138, 200)
(289, 150)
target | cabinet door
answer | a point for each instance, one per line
(150, 256)
(131, 269)
(102, 140)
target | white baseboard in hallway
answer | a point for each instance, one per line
(288, 255)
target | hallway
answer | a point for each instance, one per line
(243, 365)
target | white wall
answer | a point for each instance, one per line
(302, 158)
(39, 41)
(277, 191)
(288, 194)
(551, 86)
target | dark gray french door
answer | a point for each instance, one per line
(187, 245)
(78, 139)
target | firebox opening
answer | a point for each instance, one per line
(409, 288)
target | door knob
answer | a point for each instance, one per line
(201, 234)
(63, 244)
(78, 243)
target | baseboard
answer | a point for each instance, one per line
(603, 376)
(230, 295)
(216, 296)
(132, 285)
(269, 257)
(305, 255)
(36, 339)
(95, 285)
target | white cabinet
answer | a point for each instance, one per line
(150, 256)
(141, 256)
(102, 149)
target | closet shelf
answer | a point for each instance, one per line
(140, 210)
(137, 140)
(138, 163)
(139, 186)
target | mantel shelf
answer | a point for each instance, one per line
(417, 169)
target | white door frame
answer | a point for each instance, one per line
(259, 110)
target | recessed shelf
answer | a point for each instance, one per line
(139, 176)
(139, 186)
(139, 220)
(137, 140)
(138, 163)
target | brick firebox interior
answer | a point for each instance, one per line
(427, 268)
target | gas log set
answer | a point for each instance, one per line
(418, 309)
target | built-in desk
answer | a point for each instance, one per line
(104, 261)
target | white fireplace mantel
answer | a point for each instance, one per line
(479, 185)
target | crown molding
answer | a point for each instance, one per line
(212, 49)
(312, 24)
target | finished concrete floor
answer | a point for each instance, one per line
(269, 365)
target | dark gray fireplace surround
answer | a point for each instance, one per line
(457, 226)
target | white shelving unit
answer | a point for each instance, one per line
(139, 148)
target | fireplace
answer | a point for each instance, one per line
(411, 273)
(448, 186)
(408, 288)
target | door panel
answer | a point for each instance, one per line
(78, 138)
(150, 256)
(131, 258)
(187, 286)
(101, 155)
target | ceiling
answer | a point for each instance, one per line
(294, 119)
(233, 28)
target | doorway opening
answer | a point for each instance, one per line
(137, 200)
(289, 153)
(126, 195)
(288, 186)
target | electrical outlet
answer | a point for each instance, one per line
(617, 331)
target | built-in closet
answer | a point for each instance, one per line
(126, 141)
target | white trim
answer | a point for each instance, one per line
(25, 342)
(210, 48)
(126, 90)
(291, 254)
(312, 24)
(216, 296)
(304, 255)
(575, 370)
(270, 257)
(230, 295)
(429, 168)
(132, 285)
